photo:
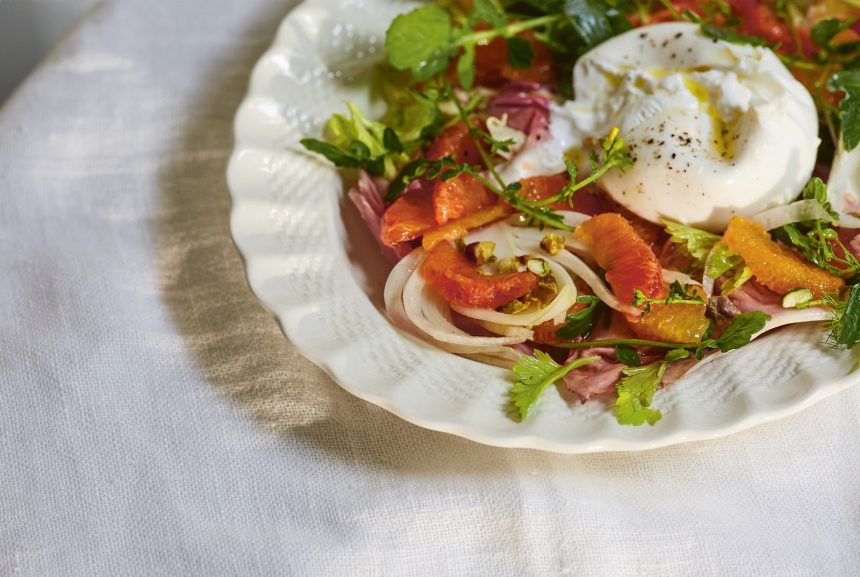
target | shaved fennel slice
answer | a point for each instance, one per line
(799, 211)
(557, 309)
(395, 283)
(670, 276)
(794, 316)
(428, 311)
(506, 330)
(778, 319)
(575, 265)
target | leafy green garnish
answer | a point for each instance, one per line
(739, 333)
(728, 35)
(848, 81)
(421, 41)
(817, 240)
(637, 387)
(696, 243)
(536, 373)
(580, 323)
(520, 53)
(627, 355)
(678, 293)
(845, 326)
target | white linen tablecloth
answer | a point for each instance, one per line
(155, 422)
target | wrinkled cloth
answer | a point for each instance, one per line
(154, 421)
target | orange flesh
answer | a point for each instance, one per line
(408, 217)
(777, 267)
(628, 261)
(457, 229)
(457, 279)
(458, 197)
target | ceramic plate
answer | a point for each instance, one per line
(312, 263)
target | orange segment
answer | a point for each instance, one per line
(457, 279)
(777, 267)
(457, 197)
(408, 217)
(628, 261)
(493, 69)
(457, 142)
(456, 229)
(675, 322)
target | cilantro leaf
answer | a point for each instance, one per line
(845, 327)
(636, 391)
(536, 373)
(848, 81)
(580, 323)
(420, 41)
(725, 261)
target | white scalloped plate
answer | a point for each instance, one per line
(314, 266)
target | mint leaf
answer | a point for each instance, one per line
(741, 330)
(848, 81)
(580, 323)
(420, 41)
(536, 373)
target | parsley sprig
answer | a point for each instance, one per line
(536, 373)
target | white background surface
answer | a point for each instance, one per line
(154, 421)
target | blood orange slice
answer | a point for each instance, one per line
(457, 279)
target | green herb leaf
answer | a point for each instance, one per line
(845, 327)
(339, 157)
(676, 355)
(580, 323)
(520, 53)
(594, 21)
(627, 355)
(728, 35)
(697, 243)
(741, 330)
(848, 81)
(824, 31)
(636, 391)
(486, 11)
(420, 41)
(536, 373)
(466, 67)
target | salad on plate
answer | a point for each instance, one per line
(612, 193)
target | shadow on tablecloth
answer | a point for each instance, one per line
(237, 344)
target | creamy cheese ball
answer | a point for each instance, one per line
(714, 128)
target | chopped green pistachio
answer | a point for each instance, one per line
(509, 265)
(538, 266)
(796, 297)
(481, 252)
